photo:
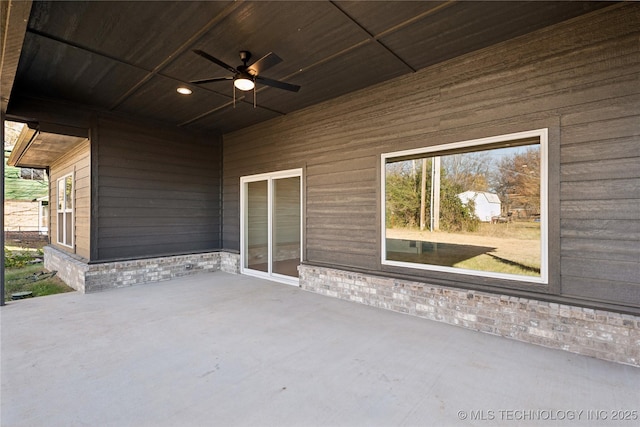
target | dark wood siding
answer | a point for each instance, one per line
(158, 191)
(580, 79)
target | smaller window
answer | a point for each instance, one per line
(32, 174)
(65, 210)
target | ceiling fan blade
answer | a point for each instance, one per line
(277, 84)
(264, 63)
(208, 57)
(217, 79)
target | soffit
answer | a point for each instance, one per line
(129, 57)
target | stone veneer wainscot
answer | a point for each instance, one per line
(87, 278)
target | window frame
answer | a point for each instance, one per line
(543, 135)
(31, 174)
(62, 181)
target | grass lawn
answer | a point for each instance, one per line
(486, 262)
(34, 278)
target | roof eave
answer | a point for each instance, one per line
(13, 30)
(27, 135)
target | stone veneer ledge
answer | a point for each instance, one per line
(89, 278)
(597, 333)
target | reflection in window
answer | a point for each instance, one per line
(472, 207)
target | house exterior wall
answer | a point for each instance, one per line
(580, 79)
(157, 191)
(21, 215)
(21, 208)
(78, 162)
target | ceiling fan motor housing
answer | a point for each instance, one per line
(245, 56)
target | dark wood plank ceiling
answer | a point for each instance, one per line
(130, 57)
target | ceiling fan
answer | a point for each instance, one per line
(245, 76)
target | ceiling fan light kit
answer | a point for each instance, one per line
(244, 83)
(245, 76)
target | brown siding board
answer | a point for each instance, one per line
(327, 209)
(605, 189)
(618, 271)
(559, 41)
(344, 259)
(158, 221)
(601, 209)
(342, 222)
(601, 228)
(354, 236)
(342, 178)
(582, 80)
(186, 228)
(601, 249)
(604, 290)
(603, 129)
(604, 109)
(518, 104)
(117, 184)
(185, 236)
(594, 150)
(154, 249)
(156, 172)
(605, 169)
(563, 68)
(136, 155)
(155, 197)
(359, 248)
(123, 214)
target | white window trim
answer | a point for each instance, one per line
(269, 177)
(543, 135)
(71, 210)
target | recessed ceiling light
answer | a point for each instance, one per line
(184, 91)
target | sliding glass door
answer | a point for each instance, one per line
(271, 225)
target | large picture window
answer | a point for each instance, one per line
(65, 210)
(475, 207)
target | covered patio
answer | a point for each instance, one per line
(224, 349)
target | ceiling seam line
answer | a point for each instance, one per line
(183, 47)
(111, 58)
(415, 19)
(84, 48)
(372, 37)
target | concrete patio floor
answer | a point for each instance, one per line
(225, 350)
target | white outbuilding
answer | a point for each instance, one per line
(487, 205)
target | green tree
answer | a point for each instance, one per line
(403, 194)
(403, 189)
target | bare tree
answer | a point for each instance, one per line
(519, 181)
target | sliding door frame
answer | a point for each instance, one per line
(244, 216)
